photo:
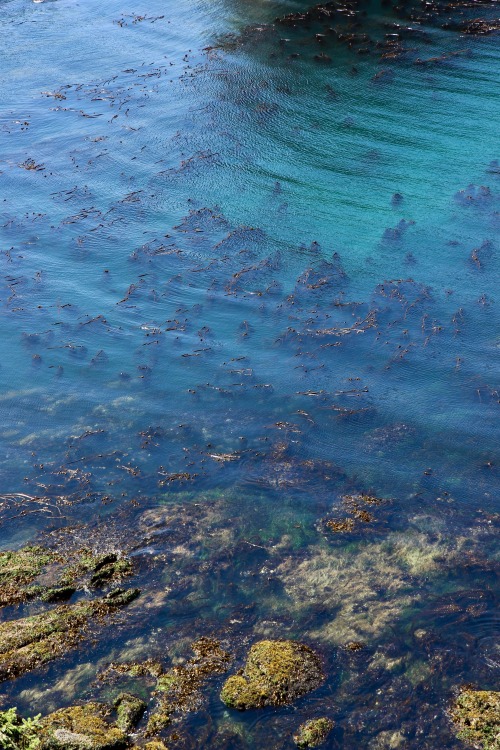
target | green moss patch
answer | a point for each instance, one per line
(129, 710)
(24, 573)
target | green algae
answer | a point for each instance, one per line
(86, 727)
(17, 733)
(275, 674)
(30, 642)
(476, 714)
(367, 585)
(313, 733)
(129, 710)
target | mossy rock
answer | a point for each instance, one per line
(129, 711)
(30, 642)
(20, 568)
(313, 733)
(84, 727)
(476, 714)
(75, 571)
(275, 674)
(102, 569)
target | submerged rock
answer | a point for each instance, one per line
(84, 727)
(476, 714)
(178, 689)
(276, 673)
(313, 733)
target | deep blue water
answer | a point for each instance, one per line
(247, 266)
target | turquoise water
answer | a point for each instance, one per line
(232, 270)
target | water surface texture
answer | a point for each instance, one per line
(249, 276)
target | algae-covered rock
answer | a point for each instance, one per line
(476, 714)
(35, 572)
(57, 594)
(18, 569)
(129, 710)
(32, 641)
(313, 733)
(95, 569)
(276, 673)
(84, 727)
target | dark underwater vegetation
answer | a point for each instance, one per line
(250, 375)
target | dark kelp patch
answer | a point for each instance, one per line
(355, 508)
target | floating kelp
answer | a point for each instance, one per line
(356, 507)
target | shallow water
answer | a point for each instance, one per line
(240, 283)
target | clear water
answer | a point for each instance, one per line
(240, 277)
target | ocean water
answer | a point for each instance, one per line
(248, 269)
